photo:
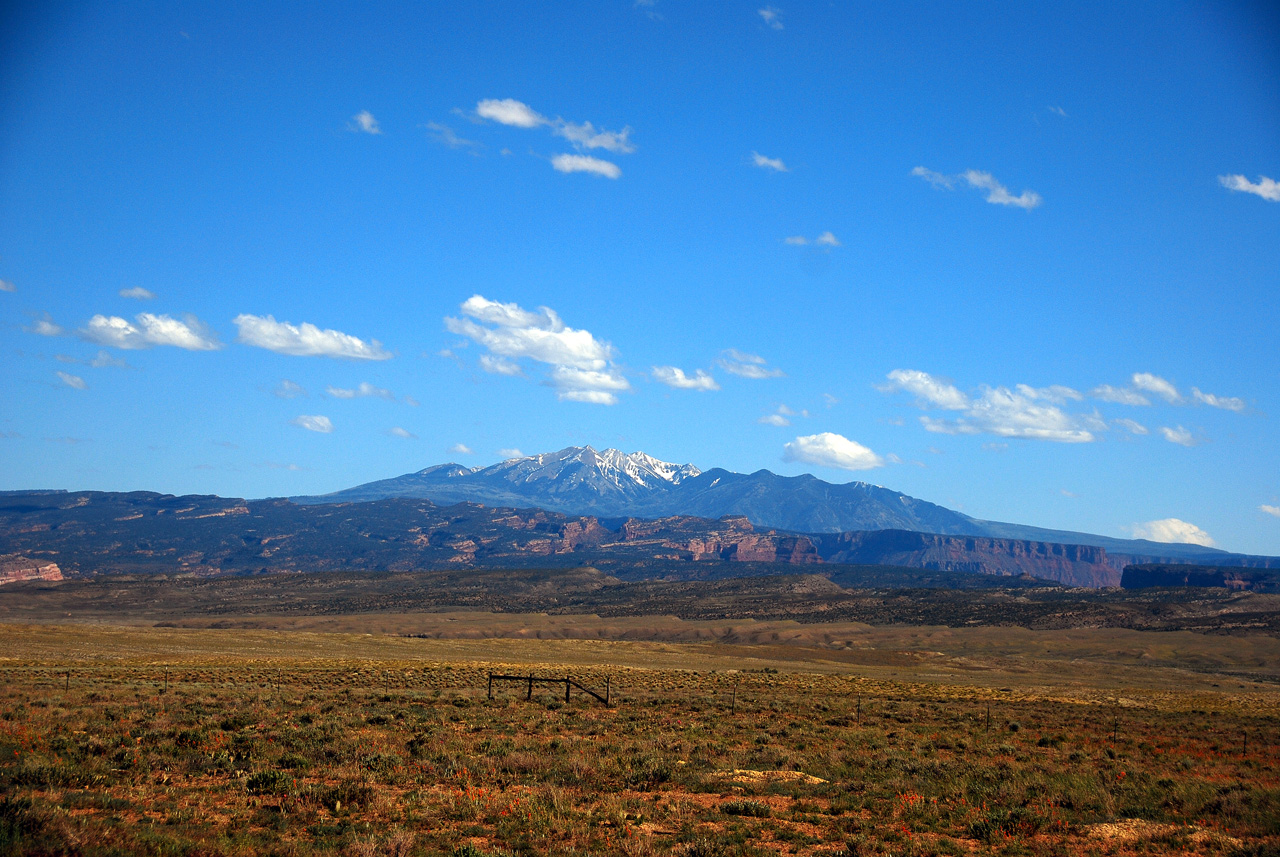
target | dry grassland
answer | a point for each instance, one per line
(749, 738)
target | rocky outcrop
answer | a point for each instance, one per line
(1074, 565)
(15, 569)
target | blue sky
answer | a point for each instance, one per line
(1022, 260)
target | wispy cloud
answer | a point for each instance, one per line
(1025, 412)
(997, 193)
(1132, 426)
(1179, 435)
(581, 365)
(764, 163)
(826, 239)
(1157, 386)
(6, 286)
(314, 423)
(772, 16)
(1273, 511)
(586, 164)
(364, 123)
(460, 449)
(305, 340)
(403, 433)
(774, 420)
(75, 382)
(510, 453)
(287, 389)
(1119, 395)
(1172, 531)
(138, 293)
(499, 365)
(444, 134)
(364, 391)
(674, 376)
(147, 330)
(746, 365)
(1226, 403)
(938, 180)
(1268, 189)
(828, 449)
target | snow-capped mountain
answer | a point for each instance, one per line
(614, 484)
(578, 478)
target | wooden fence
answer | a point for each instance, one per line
(568, 683)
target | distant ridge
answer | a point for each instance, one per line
(613, 484)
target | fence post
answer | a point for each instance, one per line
(988, 717)
(566, 688)
(606, 691)
(491, 685)
(530, 696)
(733, 706)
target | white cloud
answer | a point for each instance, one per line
(744, 365)
(148, 329)
(586, 164)
(1172, 531)
(998, 410)
(796, 240)
(46, 327)
(1133, 426)
(508, 111)
(460, 449)
(499, 365)
(137, 293)
(931, 390)
(1227, 403)
(1158, 386)
(364, 391)
(540, 335)
(288, 390)
(364, 122)
(1266, 188)
(826, 239)
(510, 453)
(75, 382)
(768, 163)
(581, 365)
(1178, 435)
(673, 376)
(998, 193)
(832, 450)
(831, 400)
(1118, 395)
(411, 401)
(314, 423)
(1273, 511)
(593, 386)
(771, 16)
(404, 433)
(1058, 110)
(774, 420)
(305, 340)
(6, 286)
(583, 135)
(938, 180)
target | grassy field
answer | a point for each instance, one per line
(872, 741)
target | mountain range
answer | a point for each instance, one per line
(616, 485)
